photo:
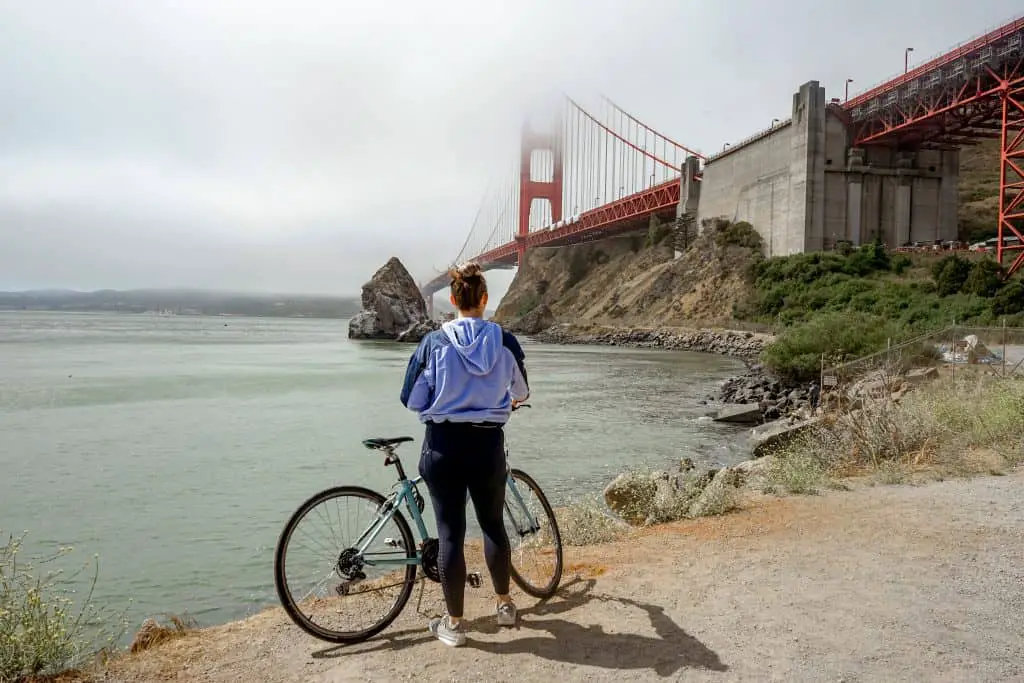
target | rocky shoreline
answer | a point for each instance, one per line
(776, 399)
(744, 345)
(755, 387)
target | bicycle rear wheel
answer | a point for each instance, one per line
(347, 598)
(534, 536)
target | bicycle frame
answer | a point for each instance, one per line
(408, 493)
(406, 487)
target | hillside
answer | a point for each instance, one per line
(979, 191)
(632, 280)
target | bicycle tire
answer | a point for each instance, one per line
(552, 586)
(281, 584)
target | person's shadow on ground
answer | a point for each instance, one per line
(673, 648)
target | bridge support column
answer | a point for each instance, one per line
(540, 188)
(430, 306)
(854, 204)
(903, 204)
(689, 200)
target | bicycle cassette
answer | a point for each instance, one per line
(428, 559)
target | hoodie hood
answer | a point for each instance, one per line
(477, 342)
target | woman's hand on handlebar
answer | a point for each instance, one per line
(516, 405)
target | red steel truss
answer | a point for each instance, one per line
(976, 91)
(606, 220)
(946, 116)
(1011, 178)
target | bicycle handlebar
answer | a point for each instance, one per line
(520, 405)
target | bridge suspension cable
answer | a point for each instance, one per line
(581, 159)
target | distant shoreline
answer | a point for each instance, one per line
(171, 303)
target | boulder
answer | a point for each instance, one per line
(630, 496)
(393, 307)
(418, 331)
(768, 437)
(717, 496)
(743, 413)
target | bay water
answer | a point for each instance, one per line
(176, 447)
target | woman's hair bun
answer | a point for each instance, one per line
(465, 271)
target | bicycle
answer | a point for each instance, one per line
(400, 558)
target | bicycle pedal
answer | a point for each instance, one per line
(473, 579)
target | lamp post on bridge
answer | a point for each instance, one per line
(906, 59)
(846, 96)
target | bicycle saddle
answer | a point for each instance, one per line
(382, 443)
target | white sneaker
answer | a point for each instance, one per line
(446, 632)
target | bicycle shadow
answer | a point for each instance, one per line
(671, 650)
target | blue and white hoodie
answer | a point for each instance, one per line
(468, 371)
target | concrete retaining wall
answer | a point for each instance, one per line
(803, 188)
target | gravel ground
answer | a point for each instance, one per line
(879, 584)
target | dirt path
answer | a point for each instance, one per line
(881, 584)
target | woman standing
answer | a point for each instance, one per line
(464, 380)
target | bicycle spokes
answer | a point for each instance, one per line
(533, 536)
(343, 566)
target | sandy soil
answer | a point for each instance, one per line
(879, 584)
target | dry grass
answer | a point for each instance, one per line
(46, 625)
(587, 522)
(153, 633)
(954, 427)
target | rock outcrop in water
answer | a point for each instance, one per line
(393, 307)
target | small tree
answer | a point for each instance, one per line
(950, 274)
(985, 279)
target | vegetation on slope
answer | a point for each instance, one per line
(951, 427)
(848, 304)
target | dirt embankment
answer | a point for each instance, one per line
(895, 583)
(628, 281)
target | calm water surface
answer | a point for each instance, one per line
(176, 447)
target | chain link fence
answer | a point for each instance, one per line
(994, 350)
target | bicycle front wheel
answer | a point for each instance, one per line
(329, 588)
(533, 534)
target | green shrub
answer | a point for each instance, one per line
(791, 292)
(1010, 299)
(900, 263)
(985, 279)
(796, 353)
(950, 274)
(42, 630)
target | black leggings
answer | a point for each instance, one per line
(458, 457)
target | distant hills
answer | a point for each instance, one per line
(182, 302)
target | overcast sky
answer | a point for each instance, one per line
(295, 145)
